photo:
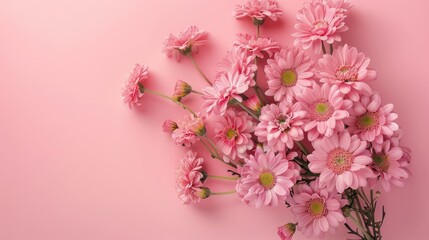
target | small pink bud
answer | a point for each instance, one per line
(169, 126)
(182, 89)
(286, 231)
(254, 104)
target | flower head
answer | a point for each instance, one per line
(348, 69)
(187, 130)
(371, 121)
(188, 179)
(319, 21)
(238, 60)
(233, 134)
(388, 166)
(255, 46)
(288, 74)
(286, 231)
(258, 10)
(185, 42)
(181, 90)
(169, 126)
(326, 109)
(226, 88)
(131, 92)
(266, 178)
(342, 161)
(280, 125)
(317, 210)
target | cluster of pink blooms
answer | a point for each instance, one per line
(317, 130)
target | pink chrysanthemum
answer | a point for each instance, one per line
(288, 74)
(326, 110)
(255, 46)
(131, 93)
(238, 60)
(188, 181)
(317, 22)
(317, 210)
(348, 69)
(387, 165)
(370, 120)
(286, 231)
(341, 161)
(233, 134)
(229, 86)
(281, 125)
(186, 42)
(266, 178)
(186, 131)
(258, 10)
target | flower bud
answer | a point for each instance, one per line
(286, 231)
(254, 104)
(169, 126)
(182, 89)
(196, 125)
(203, 192)
(346, 211)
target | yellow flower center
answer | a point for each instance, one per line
(381, 162)
(289, 78)
(267, 179)
(367, 121)
(231, 133)
(316, 207)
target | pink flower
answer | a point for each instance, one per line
(342, 6)
(388, 166)
(187, 130)
(370, 120)
(288, 74)
(131, 93)
(266, 178)
(233, 134)
(169, 126)
(238, 60)
(326, 109)
(348, 69)
(188, 181)
(317, 210)
(317, 22)
(254, 104)
(255, 46)
(258, 10)
(228, 87)
(185, 43)
(286, 231)
(342, 161)
(181, 89)
(281, 125)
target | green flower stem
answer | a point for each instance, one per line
(145, 90)
(223, 193)
(248, 110)
(197, 92)
(198, 68)
(323, 47)
(215, 152)
(302, 147)
(223, 177)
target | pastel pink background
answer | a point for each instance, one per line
(76, 164)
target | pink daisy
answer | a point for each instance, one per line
(131, 93)
(281, 125)
(238, 60)
(188, 182)
(326, 110)
(370, 120)
(266, 178)
(233, 134)
(341, 161)
(186, 42)
(288, 74)
(255, 46)
(228, 87)
(387, 165)
(286, 231)
(348, 69)
(317, 210)
(258, 10)
(186, 131)
(317, 22)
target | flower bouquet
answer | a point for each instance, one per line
(309, 133)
